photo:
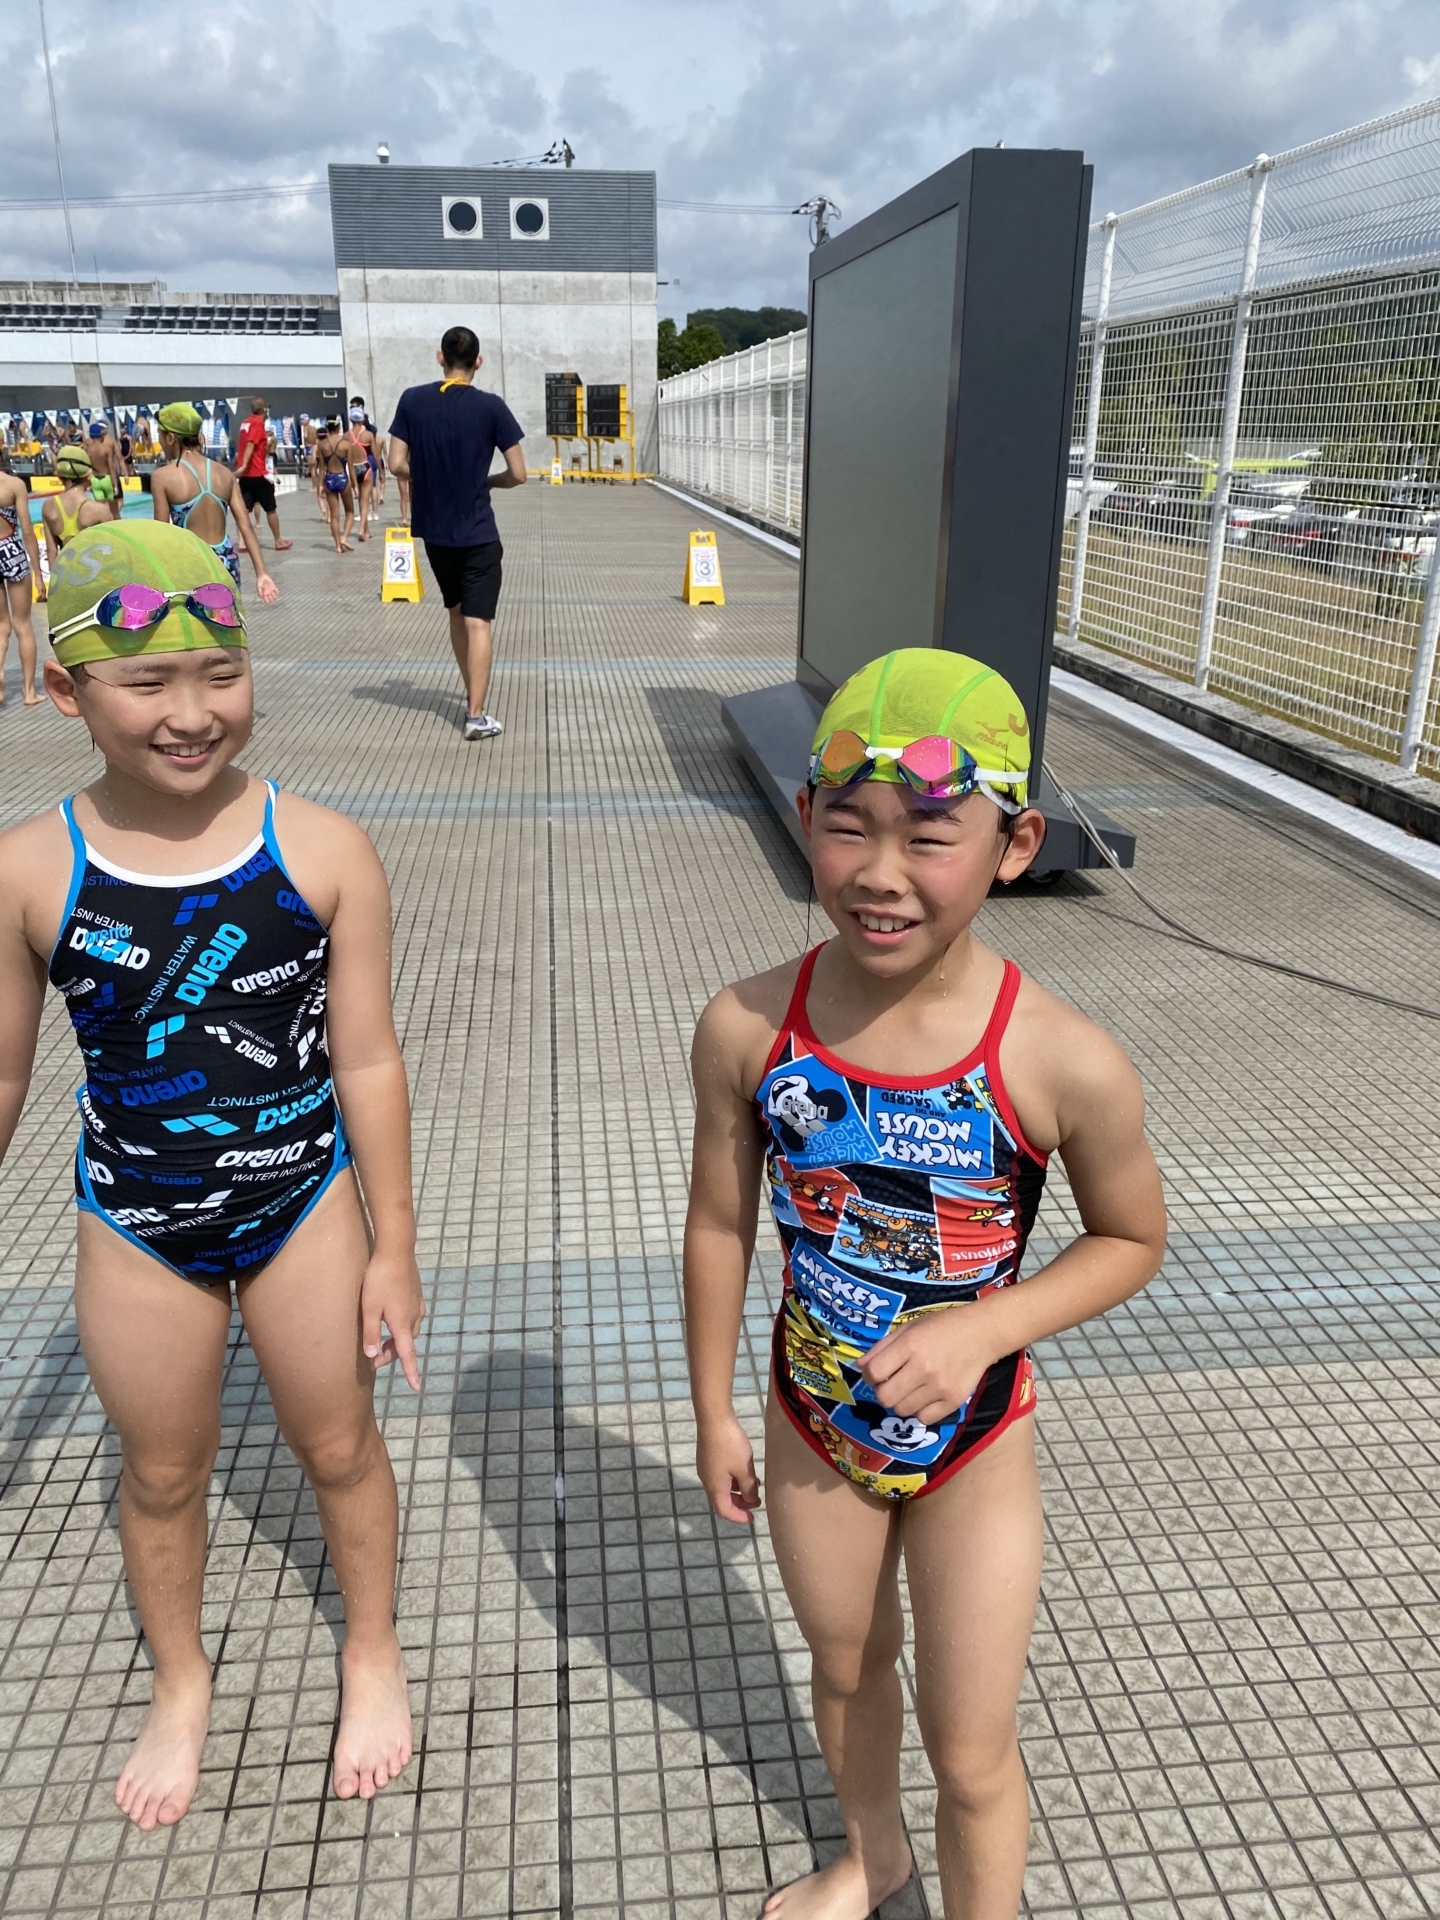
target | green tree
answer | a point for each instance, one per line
(741, 327)
(668, 357)
(679, 352)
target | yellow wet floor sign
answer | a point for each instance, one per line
(702, 573)
(402, 571)
(557, 474)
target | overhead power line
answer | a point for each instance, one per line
(197, 198)
(215, 195)
(718, 206)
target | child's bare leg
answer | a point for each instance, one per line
(155, 1347)
(972, 1560)
(302, 1313)
(838, 1552)
(17, 606)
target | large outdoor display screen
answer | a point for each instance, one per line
(881, 328)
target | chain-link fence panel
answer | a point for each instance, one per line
(734, 430)
(1254, 492)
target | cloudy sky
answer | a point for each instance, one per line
(742, 102)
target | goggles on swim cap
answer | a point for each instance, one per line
(133, 608)
(74, 460)
(937, 767)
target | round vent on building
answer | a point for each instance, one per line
(530, 219)
(461, 217)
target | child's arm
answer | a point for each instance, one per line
(22, 985)
(719, 1240)
(925, 1370)
(32, 548)
(264, 585)
(370, 1088)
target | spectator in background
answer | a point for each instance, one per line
(443, 439)
(104, 451)
(253, 452)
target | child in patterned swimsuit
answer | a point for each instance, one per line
(898, 1094)
(239, 1128)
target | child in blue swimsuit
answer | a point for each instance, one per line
(898, 1093)
(223, 952)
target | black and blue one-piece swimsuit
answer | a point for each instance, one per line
(208, 1124)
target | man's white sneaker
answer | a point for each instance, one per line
(481, 726)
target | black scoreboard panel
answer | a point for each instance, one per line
(941, 371)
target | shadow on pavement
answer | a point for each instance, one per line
(680, 1622)
(400, 693)
(706, 764)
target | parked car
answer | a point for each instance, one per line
(1260, 504)
(1099, 489)
(1394, 539)
(1172, 507)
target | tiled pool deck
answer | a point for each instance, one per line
(1232, 1702)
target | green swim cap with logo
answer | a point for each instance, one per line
(916, 692)
(145, 553)
(180, 417)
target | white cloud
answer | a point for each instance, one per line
(759, 103)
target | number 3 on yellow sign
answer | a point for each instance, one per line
(702, 573)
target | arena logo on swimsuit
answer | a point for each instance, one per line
(211, 962)
(105, 946)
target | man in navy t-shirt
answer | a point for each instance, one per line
(443, 439)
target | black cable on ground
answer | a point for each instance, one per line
(1188, 934)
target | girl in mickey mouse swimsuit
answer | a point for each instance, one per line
(897, 1094)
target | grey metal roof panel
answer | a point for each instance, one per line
(600, 222)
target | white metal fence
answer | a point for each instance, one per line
(1255, 480)
(735, 429)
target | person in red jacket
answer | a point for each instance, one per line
(253, 449)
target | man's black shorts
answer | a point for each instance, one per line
(256, 490)
(468, 577)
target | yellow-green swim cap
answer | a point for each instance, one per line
(145, 553)
(916, 692)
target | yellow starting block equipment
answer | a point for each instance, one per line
(402, 569)
(702, 573)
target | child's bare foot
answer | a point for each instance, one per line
(283, 546)
(373, 1745)
(33, 699)
(158, 1781)
(848, 1889)
(344, 547)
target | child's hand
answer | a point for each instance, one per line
(390, 1292)
(725, 1462)
(926, 1370)
(266, 588)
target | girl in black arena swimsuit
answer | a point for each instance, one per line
(224, 951)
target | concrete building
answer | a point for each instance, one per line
(99, 345)
(554, 270)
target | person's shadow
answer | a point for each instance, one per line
(656, 1592)
(55, 1392)
(444, 703)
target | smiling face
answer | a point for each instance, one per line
(171, 721)
(902, 877)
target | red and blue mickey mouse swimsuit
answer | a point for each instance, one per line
(894, 1198)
